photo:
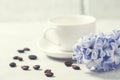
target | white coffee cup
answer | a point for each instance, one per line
(64, 31)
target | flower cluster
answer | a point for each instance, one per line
(101, 52)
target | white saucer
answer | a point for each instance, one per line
(52, 50)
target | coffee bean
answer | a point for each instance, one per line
(36, 67)
(15, 57)
(47, 71)
(32, 57)
(75, 67)
(25, 67)
(20, 59)
(49, 74)
(26, 49)
(20, 51)
(12, 64)
(68, 63)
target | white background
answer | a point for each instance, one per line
(103, 8)
(37, 10)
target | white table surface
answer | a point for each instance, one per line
(17, 35)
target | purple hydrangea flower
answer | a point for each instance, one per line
(102, 51)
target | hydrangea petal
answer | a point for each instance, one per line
(102, 51)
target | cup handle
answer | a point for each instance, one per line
(45, 31)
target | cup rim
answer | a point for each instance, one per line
(53, 20)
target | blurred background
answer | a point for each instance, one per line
(39, 10)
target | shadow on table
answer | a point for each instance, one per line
(112, 75)
(58, 59)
